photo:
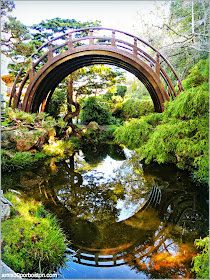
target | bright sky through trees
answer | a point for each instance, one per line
(113, 14)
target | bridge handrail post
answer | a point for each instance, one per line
(115, 259)
(113, 42)
(96, 259)
(91, 42)
(13, 91)
(135, 46)
(70, 45)
(31, 74)
(50, 54)
(180, 88)
(157, 64)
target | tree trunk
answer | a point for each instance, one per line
(70, 96)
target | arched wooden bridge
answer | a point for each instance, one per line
(65, 54)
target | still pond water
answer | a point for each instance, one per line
(124, 219)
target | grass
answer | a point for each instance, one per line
(33, 239)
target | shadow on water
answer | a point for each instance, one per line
(124, 219)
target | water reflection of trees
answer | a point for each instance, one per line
(157, 241)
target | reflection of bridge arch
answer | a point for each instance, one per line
(71, 51)
(98, 257)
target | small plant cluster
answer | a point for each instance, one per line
(32, 238)
(179, 134)
(201, 261)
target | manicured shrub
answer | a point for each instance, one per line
(93, 111)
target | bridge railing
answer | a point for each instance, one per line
(98, 257)
(112, 39)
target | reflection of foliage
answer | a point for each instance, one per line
(116, 152)
(95, 153)
(201, 261)
(162, 256)
(92, 203)
(155, 242)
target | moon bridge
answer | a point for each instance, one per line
(68, 52)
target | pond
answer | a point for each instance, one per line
(124, 219)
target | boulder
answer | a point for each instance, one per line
(5, 208)
(94, 126)
(5, 140)
(31, 140)
(84, 130)
(24, 145)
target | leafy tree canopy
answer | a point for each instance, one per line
(182, 35)
(19, 42)
(46, 30)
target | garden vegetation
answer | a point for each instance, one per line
(179, 135)
(32, 238)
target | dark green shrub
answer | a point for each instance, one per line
(121, 90)
(34, 242)
(93, 111)
(57, 100)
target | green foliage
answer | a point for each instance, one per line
(134, 108)
(136, 132)
(191, 103)
(45, 30)
(56, 102)
(135, 89)
(18, 160)
(178, 135)
(94, 79)
(18, 48)
(108, 132)
(42, 120)
(121, 90)
(34, 242)
(95, 112)
(59, 148)
(201, 261)
(198, 74)
(17, 116)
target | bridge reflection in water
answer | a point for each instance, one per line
(157, 238)
(111, 256)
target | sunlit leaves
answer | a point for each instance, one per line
(201, 261)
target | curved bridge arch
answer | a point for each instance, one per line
(65, 54)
